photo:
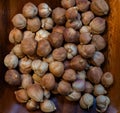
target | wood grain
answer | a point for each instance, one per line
(113, 51)
(8, 104)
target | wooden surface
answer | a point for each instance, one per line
(8, 104)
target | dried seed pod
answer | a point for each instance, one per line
(29, 10)
(87, 17)
(85, 38)
(56, 68)
(47, 23)
(67, 4)
(46, 94)
(99, 90)
(99, 42)
(102, 103)
(15, 36)
(99, 7)
(107, 79)
(71, 13)
(35, 92)
(86, 51)
(21, 96)
(32, 105)
(71, 49)
(75, 24)
(56, 39)
(97, 25)
(26, 80)
(59, 29)
(97, 59)
(29, 45)
(17, 50)
(39, 67)
(25, 65)
(64, 88)
(59, 54)
(79, 85)
(81, 75)
(48, 59)
(44, 10)
(86, 101)
(69, 75)
(41, 34)
(33, 57)
(71, 35)
(73, 96)
(11, 61)
(88, 87)
(13, 77)
(47, 106)
(33, 24)
(19, 21)
(58, 15)
(48, 81)
(85, 29)
(94, 74)
(82, 5)
(43, 48)
(78, 63)
(28, 34)
(37, 79)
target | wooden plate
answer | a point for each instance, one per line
(8, 103)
